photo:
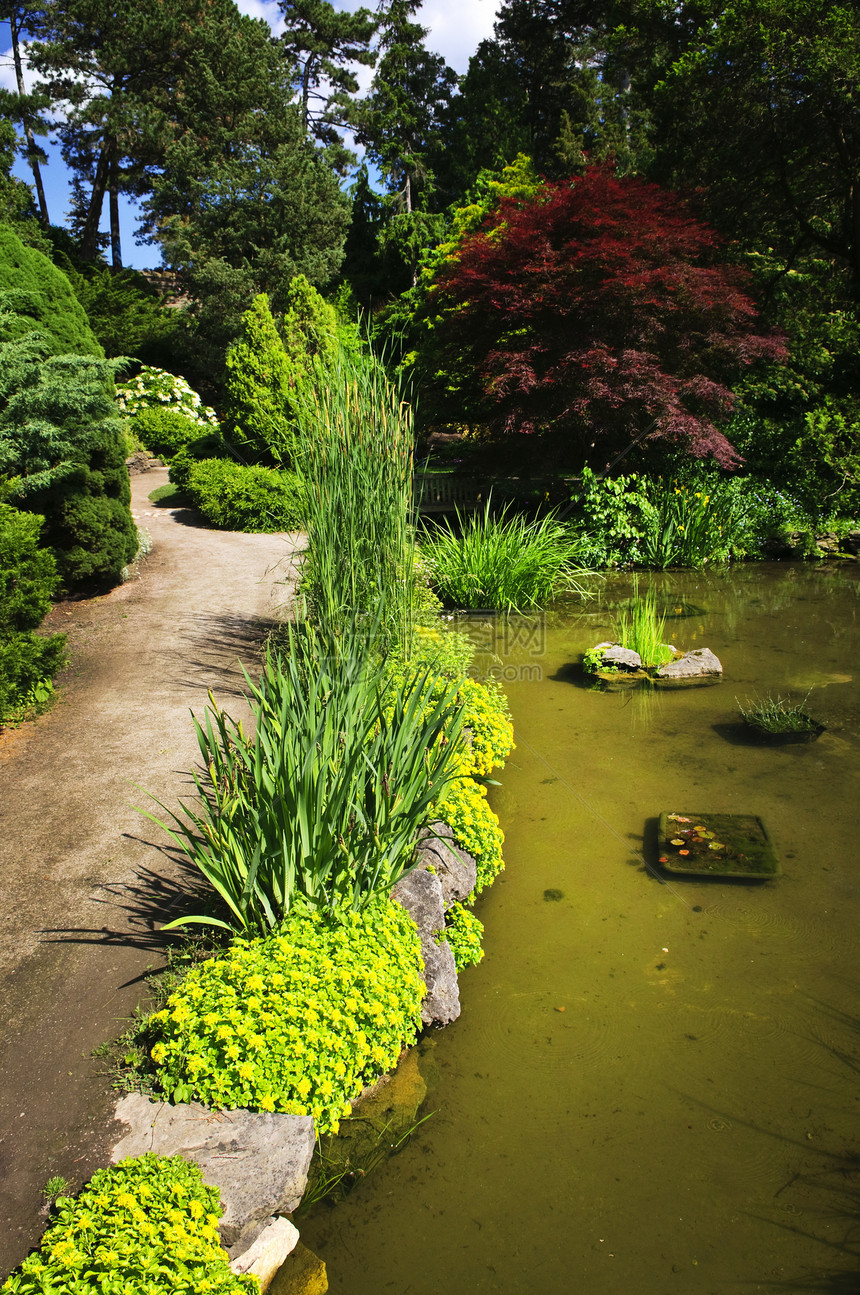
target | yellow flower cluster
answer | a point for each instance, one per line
(147, 1225)
(333, 1005)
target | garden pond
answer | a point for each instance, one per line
(653, 1083)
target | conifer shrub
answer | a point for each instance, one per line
(41, 299)
(28, 579)
(236, 497)
(298, 1021)
(64, 447)
(260, 387)
(147, 1225)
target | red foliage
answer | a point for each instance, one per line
(599, 307)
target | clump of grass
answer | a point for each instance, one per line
(503, 561)
(641, 629)
(777, 715)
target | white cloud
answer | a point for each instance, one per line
(457, 28)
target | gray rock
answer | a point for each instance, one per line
(456, 870)
(259, 1160)
(851, 543)
(698, 664)
(420, 893)
(277, 1239)
(622, 657)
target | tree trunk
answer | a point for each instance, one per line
(89, 237)
(32, 151)
(115, 242)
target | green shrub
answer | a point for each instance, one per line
(298, 1021)
(234, 497)
(28, 578)
(147, 1225)
(325, 801)
(503, 561)
(260, 388)
(463, 931)
(40, 298)
(164, 431)
(64, 449)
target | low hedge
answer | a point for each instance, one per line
(234, 497)
(297, 1022)
(164, 431)
(142, 1227)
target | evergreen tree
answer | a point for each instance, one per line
(325, 43)
(259, 387)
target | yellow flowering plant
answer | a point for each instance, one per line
(145, 1226)
(298, 1021)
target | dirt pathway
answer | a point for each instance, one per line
(84, 883)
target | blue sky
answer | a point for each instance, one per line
(456, 29)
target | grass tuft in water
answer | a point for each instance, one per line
(641, 629)
(503, 561)
(777, 715)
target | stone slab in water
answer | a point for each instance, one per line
(258, 1160)
(717, 845)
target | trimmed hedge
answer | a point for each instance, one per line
(164, 431)
(238, 498)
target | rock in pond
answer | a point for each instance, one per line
(700, 664)
(621, 657)
(259, 1160)
(420, 893)
(456, 870)
(268, 1252)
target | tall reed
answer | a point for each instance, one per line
(355, 457)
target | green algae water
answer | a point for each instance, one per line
(653, 1084)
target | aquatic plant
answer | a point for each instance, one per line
(503, 560)
(776, 715)
(640, 628)
(685, 527)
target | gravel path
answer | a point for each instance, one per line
(85, 883)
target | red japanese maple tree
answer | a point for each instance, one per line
(601, 309)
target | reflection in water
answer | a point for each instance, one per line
(652, 1087)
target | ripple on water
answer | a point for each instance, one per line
(553, 1037)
